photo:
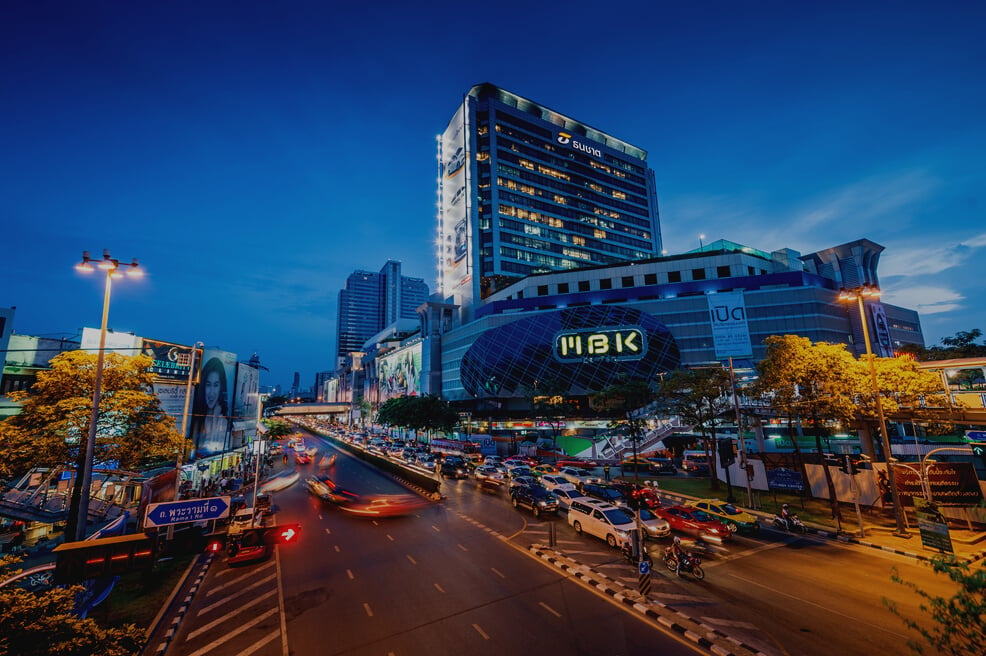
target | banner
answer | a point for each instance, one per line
(245, 404)
(399, 373)
(730, 331)
(456, 252)
(949, 483)
(210, 430)
(171, 361)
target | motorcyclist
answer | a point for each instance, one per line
(678, 553)
(786, 516)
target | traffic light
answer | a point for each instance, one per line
(727, 455)
(89, 559)
(281, 534)
(980, 450)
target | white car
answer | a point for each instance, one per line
(602, 520)
(566, 495)
(574, 476)
(554, 481)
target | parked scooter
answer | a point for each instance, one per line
(793, 524)
(690, 562)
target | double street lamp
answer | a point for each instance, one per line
(79, 508)
(858, 294)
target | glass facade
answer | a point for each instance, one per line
(584, 349)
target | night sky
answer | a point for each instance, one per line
(252, 154)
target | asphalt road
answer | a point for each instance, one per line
(432, 583)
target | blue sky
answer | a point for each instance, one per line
(253, 154)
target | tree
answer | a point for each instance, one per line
(548, 405)
(815, 381)
(427, 412)
(961, 345)
(699, 397)
(53, 425)
(277, 428)
(42, 623)
(957, 622)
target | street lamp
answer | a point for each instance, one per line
(196, 348)
(79, 508)
(858, 294)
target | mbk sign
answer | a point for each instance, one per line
(730, 330)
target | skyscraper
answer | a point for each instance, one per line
(372, 301)
(524, 190)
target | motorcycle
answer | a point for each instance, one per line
(690, 562)
(794, 525)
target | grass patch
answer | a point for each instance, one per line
(138, 596)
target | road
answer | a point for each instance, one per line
(433, 583)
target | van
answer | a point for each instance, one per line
(602, 520)
(695, 462)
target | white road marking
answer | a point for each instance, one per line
(219, 620)
(439, 588)
(549, 609)
(369, 612)
(229, 636)
(222, 601)
(256, 647)
(480, 631)
(411, 558)
(390, 537)
(338, 550)
(462, 547)
(497, 572)
(254, 572)
(349, 573)
(437, 530)
(328, 532)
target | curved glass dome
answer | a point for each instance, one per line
(585, 348)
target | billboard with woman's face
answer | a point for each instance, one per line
(210, 429)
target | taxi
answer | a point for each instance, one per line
(736, 519)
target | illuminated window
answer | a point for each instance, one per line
(595, 187)
(527, 164)
(599, 234)
(483, 130)
(482, 157)
(555, 223)
(578, 240)
(561, 200)
(619, 194)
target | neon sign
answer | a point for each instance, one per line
(600, 344)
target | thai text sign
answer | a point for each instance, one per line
(949, 483)
(191, 510)
(932, 526)
(730, 331)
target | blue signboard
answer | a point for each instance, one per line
(190, 510)
(785, 479)
(976, 436)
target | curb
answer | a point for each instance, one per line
(180, 615)
(661, 613)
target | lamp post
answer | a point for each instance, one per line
(79, 508)
(196, 348)
(858, 294)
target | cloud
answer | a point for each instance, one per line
(926, 299)
(920, 260)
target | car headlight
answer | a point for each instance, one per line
(542, 503)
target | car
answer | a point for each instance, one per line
(735, 518)
(386, 505)
(519, 470)
(603, 492)
(554, 481)
(535, 497)
(328, 490)
(694, 522)
(409, 455)
(523, 480)
(493, 460)
(638, 495)
(302, 458)
(245, 518)
(488, 473)
(574, 476)
(247, 548)
(576, 463)
(697, 464)
(566, 495)
(662, 466)
(602, 520)
(635, 464)
(541, 470)
(654, 526)
(453, 467)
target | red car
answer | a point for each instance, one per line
(581, 464)
(302, 458)
(692, 521)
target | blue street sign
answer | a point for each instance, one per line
(190, 510)
(782, 478)
(644, 567)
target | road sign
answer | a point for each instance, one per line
(190, 510)
(644, 567)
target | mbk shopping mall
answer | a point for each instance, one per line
(552, 269)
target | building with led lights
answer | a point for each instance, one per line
(524, 190)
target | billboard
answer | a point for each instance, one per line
(170, 361)
(246, 403)
(210, 429)
(122, 343)
(730, 330)
(172, 398)
(455, 238)
(399, 373)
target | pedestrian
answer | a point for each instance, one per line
(285, 458)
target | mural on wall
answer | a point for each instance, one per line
(399, 373)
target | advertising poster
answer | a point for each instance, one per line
(949, 483)
(730, 331)
(172, 398)
(455, 247)
(212, 405)
(246, 401)
(171, 361)
(399, 373)
(882, 343)
(122, 343)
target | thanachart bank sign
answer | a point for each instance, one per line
(566, 139)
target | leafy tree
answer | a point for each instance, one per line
(961, 345)
(815, 381)
(42, 623)
(53, 425)
(699, 397)
(957, 622)
(625, 399)
(427, 412)
(278, 428)
(548, 405)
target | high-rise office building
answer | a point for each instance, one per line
(524, 190)
(372, 301)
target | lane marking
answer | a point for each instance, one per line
(497, 572)
(480, 631)
(349, 573)
(213, 591)
(390, 537)
(229, 636)
(327, 531)
(368, 610)
(270, 636)
(411, 558)
(439, 588)
(219, 620)
(549, 609)
(375, 523)
(222, 601)
(280, 604)
(437, 530)
(338, 550)
(462, 547)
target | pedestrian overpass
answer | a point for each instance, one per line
(296, 409)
